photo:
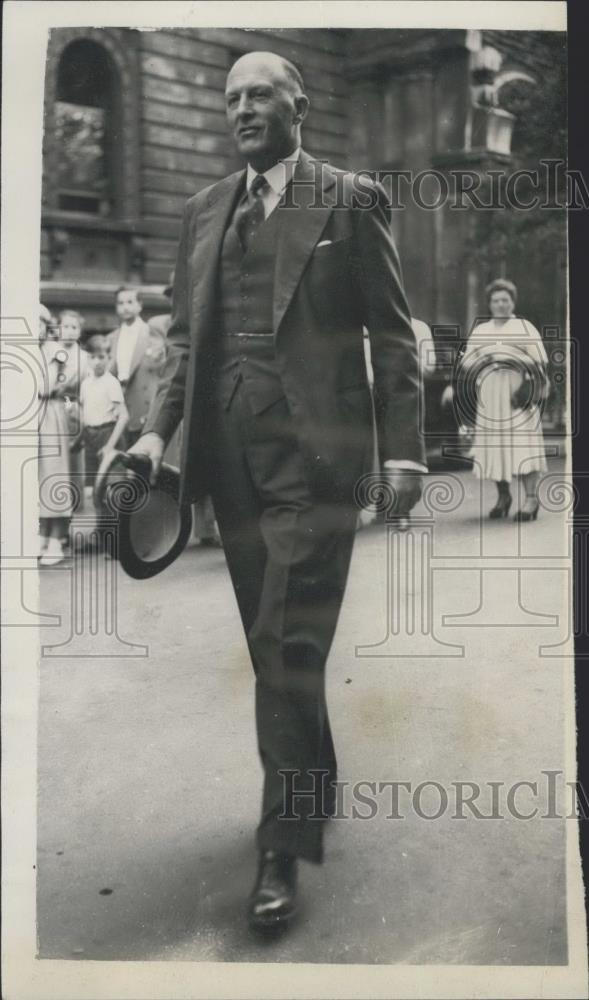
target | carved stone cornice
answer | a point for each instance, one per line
(394, 52)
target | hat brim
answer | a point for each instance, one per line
(153, 527)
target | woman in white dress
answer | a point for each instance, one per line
(505, 365)
(65, 365)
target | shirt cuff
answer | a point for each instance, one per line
(405, 463)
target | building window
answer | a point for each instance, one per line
(85, 125)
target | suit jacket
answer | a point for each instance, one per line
(144, 372)
(337, 270)
(160, 324)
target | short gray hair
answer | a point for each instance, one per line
(293, 74)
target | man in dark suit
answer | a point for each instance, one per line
(137, 355)
(279, 267)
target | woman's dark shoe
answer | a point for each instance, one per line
(501, 508)
(529, 510)
(272, 902)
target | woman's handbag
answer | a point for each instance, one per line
(532, 390)
(72, 412)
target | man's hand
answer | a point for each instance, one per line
(153, 446)
(405, 486)
(106, 454)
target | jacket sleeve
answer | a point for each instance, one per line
(113, 341)
(398, 393)
(167, 408)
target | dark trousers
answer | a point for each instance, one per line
(288, 556)
(94, 439)
(129, 437)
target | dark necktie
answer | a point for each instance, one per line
(249, 214)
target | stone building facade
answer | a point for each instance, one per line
(135, 124)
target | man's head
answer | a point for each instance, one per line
(266, 105)
(128, 304)
(98, 351)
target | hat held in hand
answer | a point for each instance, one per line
(152, 527)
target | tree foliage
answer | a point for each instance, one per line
(539, 135)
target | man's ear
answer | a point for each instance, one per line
(301, 108)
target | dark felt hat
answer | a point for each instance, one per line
(152, 526)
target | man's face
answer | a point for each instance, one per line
(128, 306)
(261, 109)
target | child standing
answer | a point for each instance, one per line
(103, 413)
(65, 366)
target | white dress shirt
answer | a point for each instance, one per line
(128, 334)
(278, 177)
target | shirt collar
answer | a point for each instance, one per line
(131, 327)
(279, 175)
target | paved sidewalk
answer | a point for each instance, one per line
(149, 782)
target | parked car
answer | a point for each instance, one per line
(447, 444)
(446, 439)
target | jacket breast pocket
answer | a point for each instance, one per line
(327, 279)
(332, 250)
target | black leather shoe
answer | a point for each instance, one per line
(529, 511)
(272, 902)
(501, 508)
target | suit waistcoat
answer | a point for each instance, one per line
(247, 279)
(246, 282)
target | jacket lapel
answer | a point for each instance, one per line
(139, 349)
(313, 197)
(113, 344)
(211, 224)
(310, 201)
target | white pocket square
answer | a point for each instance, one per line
(324, 243)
